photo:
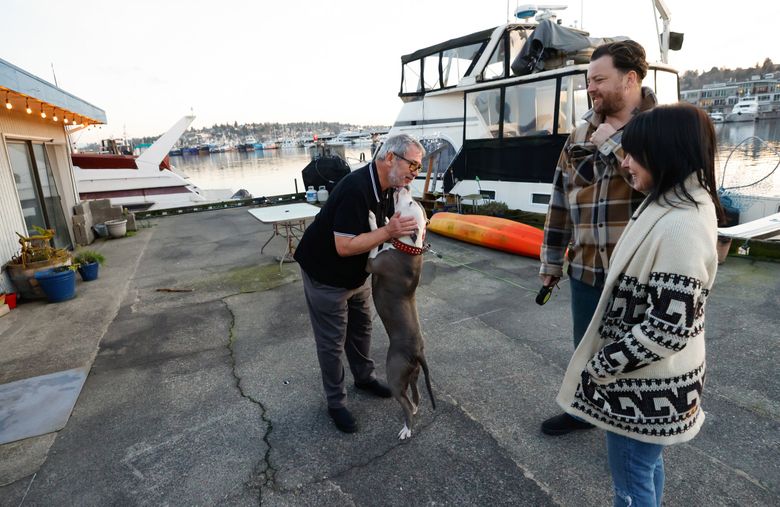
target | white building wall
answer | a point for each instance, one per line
(17, 124)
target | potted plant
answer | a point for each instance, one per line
(59, 284)
(88, 262)
(36, 254)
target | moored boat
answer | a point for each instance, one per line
(499, 104)
(146, 182)
(744, 110)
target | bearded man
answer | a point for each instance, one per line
(591, 200)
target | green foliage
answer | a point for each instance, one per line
(693, 80)
(88, 257)
(492, 208)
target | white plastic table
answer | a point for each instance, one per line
(289, 221)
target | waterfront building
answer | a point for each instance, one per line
(722, 97)
(37, 186)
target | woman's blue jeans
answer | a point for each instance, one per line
(637, 471)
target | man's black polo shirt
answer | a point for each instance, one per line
(345, 213)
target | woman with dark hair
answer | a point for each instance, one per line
(639, 371)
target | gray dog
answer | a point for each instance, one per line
(395, 275)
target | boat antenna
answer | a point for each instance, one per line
(663, 39)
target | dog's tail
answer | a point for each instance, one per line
(424, 365)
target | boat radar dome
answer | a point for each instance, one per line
(541, 12)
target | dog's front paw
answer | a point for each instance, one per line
(372, 221)
(404, 433)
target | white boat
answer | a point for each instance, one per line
(288, 143)
(746, 109)
(498, 122)
(717, 117)
(146, 182)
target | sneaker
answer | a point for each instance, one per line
(343, 419)
(376, 388)
(564, 423)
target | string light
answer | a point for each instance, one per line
(64, 119)
(8, 105)
(27, 103)
(55, 116)
(43, 113)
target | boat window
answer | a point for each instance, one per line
(431, 72)
(457, 61)
(482, 114)
(573, 102)
(529, 109)
(497, 66)
(412, 82)
(666, 90)
(439, 153)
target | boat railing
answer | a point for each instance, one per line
(232, 203)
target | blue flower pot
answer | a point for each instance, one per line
(57, 285)
(89, 271)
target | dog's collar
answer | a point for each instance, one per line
(407, 249)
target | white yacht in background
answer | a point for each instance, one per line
(717, 117)
(744, 110)
(494, 108)
(146, 182)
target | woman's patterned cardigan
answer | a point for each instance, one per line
(639, 369)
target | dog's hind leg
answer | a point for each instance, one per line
(406, 431)
(399, 371)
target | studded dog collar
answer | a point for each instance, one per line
(407, 249)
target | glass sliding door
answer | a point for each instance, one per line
(37, 188)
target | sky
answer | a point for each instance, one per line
(149, 62)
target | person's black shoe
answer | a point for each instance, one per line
(376, 388)
(343, 419)
(562, 424)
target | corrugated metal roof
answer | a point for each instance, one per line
(23, 83)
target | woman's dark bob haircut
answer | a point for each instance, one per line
(672, 142)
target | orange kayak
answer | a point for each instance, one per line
(491, 232)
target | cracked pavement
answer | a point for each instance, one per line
(214, 396)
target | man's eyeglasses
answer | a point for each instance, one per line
(414, 166)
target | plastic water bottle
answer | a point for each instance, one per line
(311, 195)
(322, 194)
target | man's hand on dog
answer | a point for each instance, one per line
(399, 226)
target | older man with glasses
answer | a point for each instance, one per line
(333, 254)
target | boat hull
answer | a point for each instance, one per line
(491, 232)
(740, 117)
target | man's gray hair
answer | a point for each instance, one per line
(399, 144)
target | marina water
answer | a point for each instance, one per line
(276, 172)
(262, 173)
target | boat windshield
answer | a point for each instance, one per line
(423, 74)
(528, 108)
(498, 65)
(666, 87)
(442, 65)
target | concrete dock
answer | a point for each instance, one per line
(208, 391)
